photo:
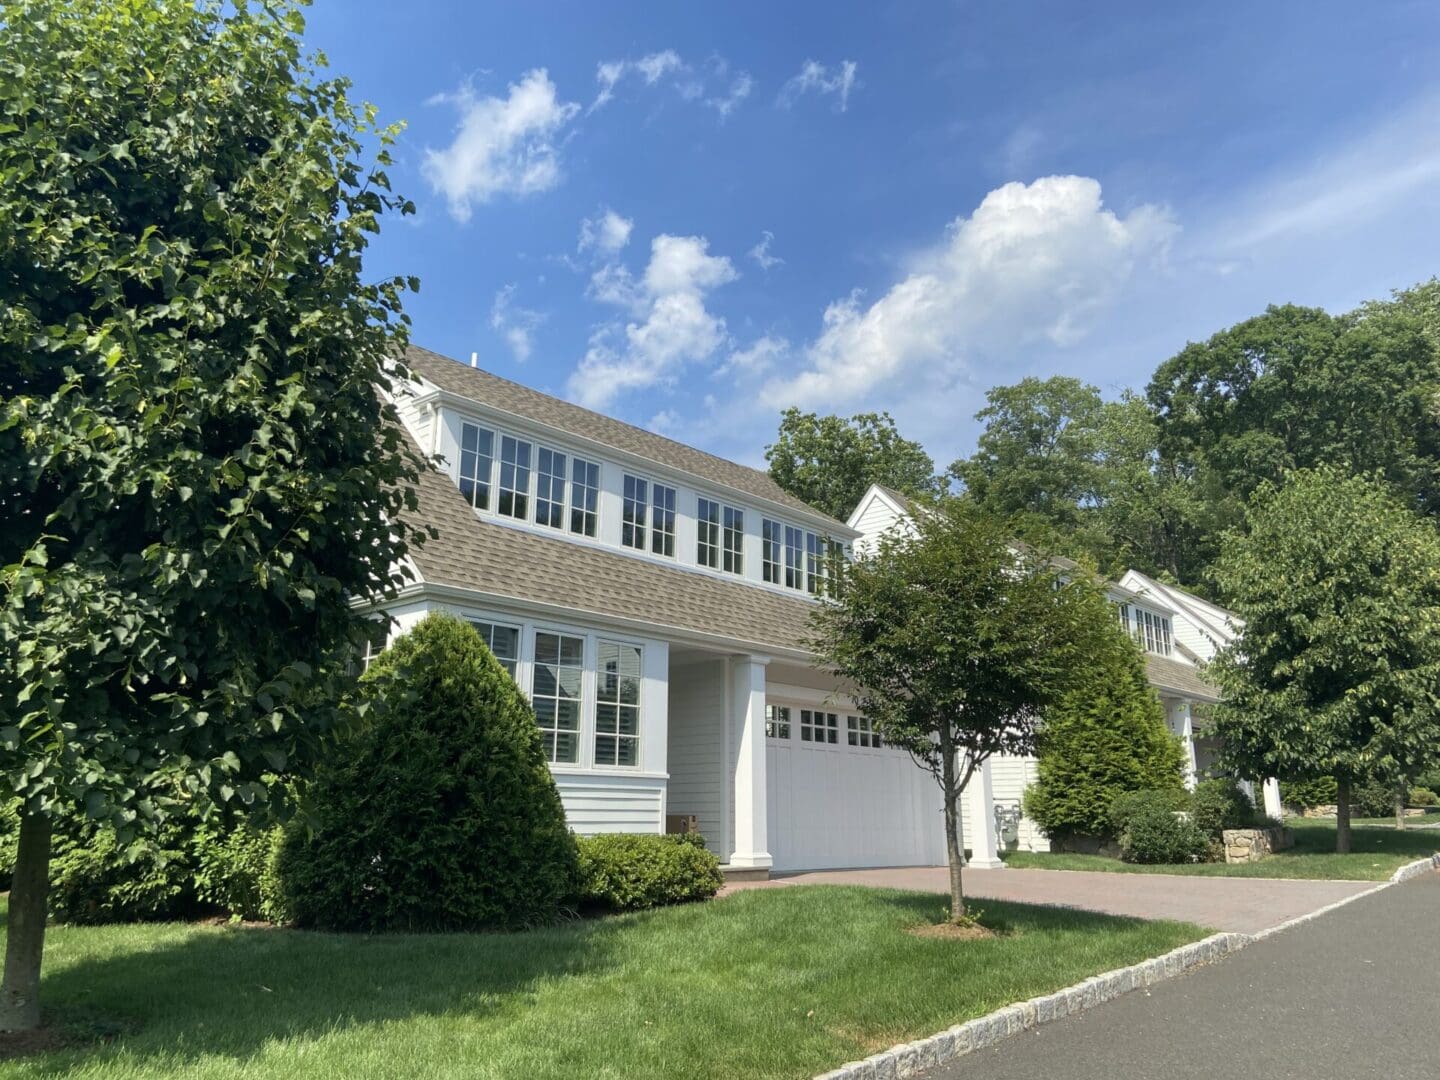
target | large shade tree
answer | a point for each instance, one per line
(1336, 672)
(197, 473)
(957, 642)
(830, 461)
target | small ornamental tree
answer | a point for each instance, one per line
(1106, 737)
(1337, 669)
(197, 471)
(957, 641)
(439, 812)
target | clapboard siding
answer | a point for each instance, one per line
(697, 747)
(604, 804)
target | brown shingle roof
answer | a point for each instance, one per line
(504, 562)
(1167, 674)
(498, 393)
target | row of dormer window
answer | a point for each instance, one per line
(529, 482)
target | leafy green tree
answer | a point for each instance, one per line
(1039, 452)
(1337, 668)
(957, 643)
(198, 474)
(1107, 736)
(1295, 388)
(439, 812)
(830, 462)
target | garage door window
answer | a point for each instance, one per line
(863, 733)
(777, 721)
(819, 727)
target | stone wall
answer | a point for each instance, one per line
(1252, 845)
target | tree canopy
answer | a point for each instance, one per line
(1337, 669)
(956, 643)
(830, 462)
(198, 473)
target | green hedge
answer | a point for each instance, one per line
(631, 872)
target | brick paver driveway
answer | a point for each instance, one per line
(1246, 905)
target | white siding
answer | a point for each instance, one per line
(599, 803)
(697, 748)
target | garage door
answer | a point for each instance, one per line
(839, 799)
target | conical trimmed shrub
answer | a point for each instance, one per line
(439, 811)
(1107, 738)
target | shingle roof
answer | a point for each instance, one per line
(492, 390)
(1167, 674)
(505, 562)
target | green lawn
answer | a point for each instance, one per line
(769, 983)
(1376, 854)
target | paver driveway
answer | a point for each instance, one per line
(1246, 905)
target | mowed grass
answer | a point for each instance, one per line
(783, 982)
(1375, 854)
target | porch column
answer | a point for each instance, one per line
(1273, 806)
(747, 704)
(980, 801)
(1177, 712)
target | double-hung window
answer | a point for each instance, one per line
(477, 450)
(862, 732)
(559, 676)
(514, 477)
(662, 520)
(617, 705)
(794, 555)
(707, 533)
(550, 488)
(819, 727)
(634, 513)
(734, 537)
(770, 547)
(584, 495)
(503, 641)
(777, 721)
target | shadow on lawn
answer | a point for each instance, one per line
(201, 991)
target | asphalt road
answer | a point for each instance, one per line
(1351, 995)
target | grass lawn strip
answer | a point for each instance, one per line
(768, 983)
(1377, 853)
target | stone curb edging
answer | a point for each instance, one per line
(909, 1059)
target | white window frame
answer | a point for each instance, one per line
(482, 483)
(618, 737)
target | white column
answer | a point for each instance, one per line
(1273, 806)
(980, 801)
(747, 698)
(1177, 713)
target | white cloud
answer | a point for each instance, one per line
(761, 252)
(816, 78)
(757, 358)
(502, 146)
(739, 90)
(651, 69)
(607, 233)
(1034, 262)
(515, 324)
(671, 325)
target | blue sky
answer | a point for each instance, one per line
(690, 216)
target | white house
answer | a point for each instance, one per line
(653, 601)
(1154, 617)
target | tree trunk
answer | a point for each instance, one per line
(1401, 794)
(1342, 817)
(953, 851)
(25, 940)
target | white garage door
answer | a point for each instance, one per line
(836, 800)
